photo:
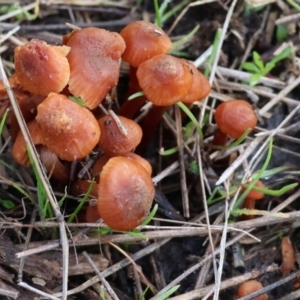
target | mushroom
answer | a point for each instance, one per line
(52, 164)
(94, 63)
(288, 256)
(70, 130)
(42, 68)
(19, 149)
(113, 141)
(125, 193)
(143, 40)
(164, 79)
(234, 117)
(252, 197)
(249, 287)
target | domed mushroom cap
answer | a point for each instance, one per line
(42, 68)
(200, 88)
(234, 117)
(249, 287)
(113, 141)
(164, 79)
(143, 40)
(70, 130)
(94, 63)
(142, 161)
(125, 193)
(256, 195)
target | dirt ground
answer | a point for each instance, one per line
(199, 245)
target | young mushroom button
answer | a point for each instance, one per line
(234, 117)
(249, 287)
(115, 142)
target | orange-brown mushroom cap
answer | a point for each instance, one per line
(113, 141)
(142, 161)
(42, 68)
(256, 195)
(94, 63)
(164, 79)
(234, 117)
(200, 88)
(249, 287)
(125, 193)
(70, 130)
(19, 149)
(143, 40)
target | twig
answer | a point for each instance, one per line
(7, 293)
(32, 289)
(281, 94)
(116, 267)
(240, 75)
(196, 294)
(100, 276)
(184, 190)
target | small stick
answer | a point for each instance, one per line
(32, 289)
(118, 122)
(101, 277)
(184, 190)
(271, 286)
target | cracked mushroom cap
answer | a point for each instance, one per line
(70, 130)
(42, 68)
(164, 79)
(143, 40)
(94, 63)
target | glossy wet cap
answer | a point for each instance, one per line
(42, 68)
(143, 40)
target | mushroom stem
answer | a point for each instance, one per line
(129, 109)
(149, 124)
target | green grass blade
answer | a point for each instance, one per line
(187, 111)
(212, 57)
(168, 293)
(183, 40)
(254, 181)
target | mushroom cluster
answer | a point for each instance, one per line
(59, 90)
